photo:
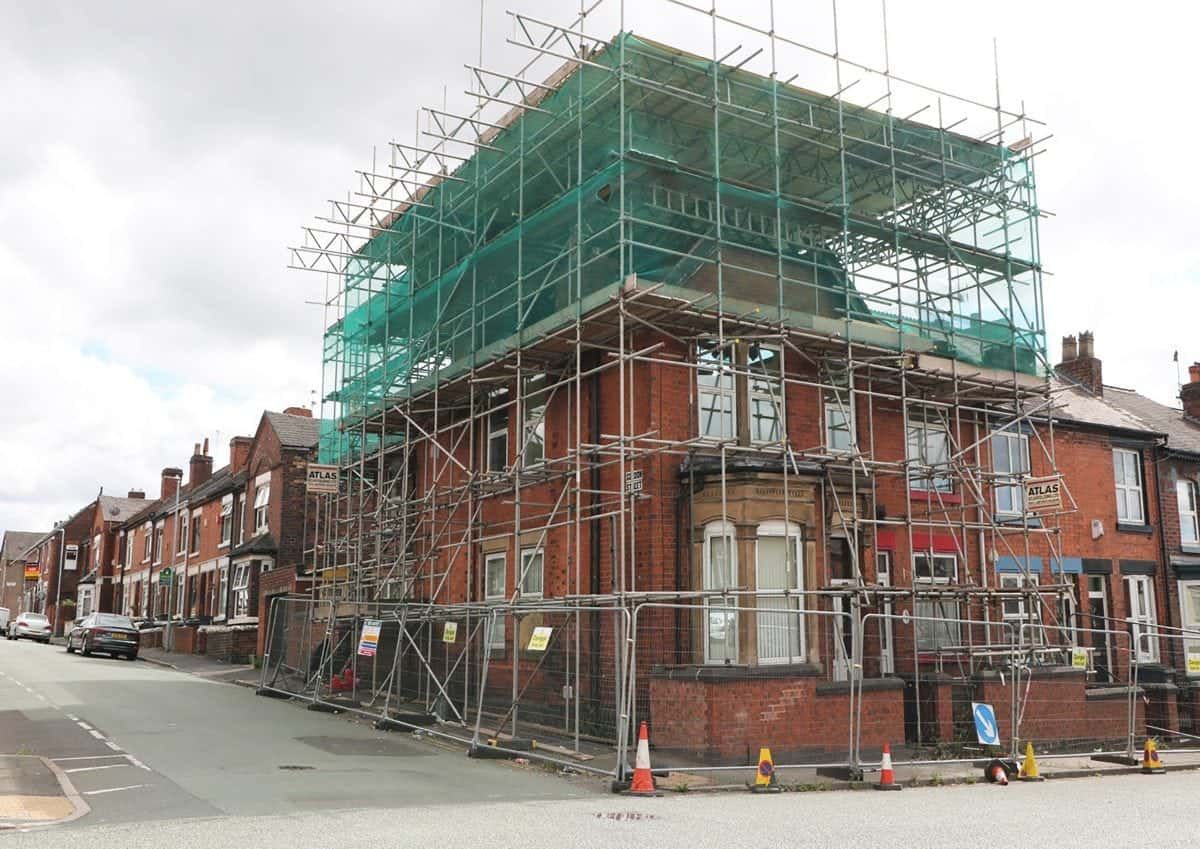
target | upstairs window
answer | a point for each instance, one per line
(1189, 520)
(239, 518)
(262, 503)
(226, 522)
(534, 400)
(158, 543)
(717, 392)
(494, 569)
(532, 576)
(765, 365)
(148, 539)
(196, 526)
(929, 457)
(181, 535)
(241, 589)
(839, 413)
(497, 432)
(1127, 472)
(1010, 460)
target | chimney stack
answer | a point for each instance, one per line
(1190, 393)
(137, 494)
(239, 453)
(200, 466)
(1080, 364)
(170, 482)
(298, 411)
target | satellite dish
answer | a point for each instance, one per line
(114, 511)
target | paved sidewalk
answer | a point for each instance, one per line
(202, 666)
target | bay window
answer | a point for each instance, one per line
(720, 573)
(777, 565)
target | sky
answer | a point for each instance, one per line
(157, 159)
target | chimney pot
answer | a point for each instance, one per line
(1086, 344)
(1070, 348)
(170, 482)
(1194, 372)
(298, 411)
(138, 494)
(206, 446)
(1080, 364)
(1189, 393)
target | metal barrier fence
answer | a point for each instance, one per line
(821, 678)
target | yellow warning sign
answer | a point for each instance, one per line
(1079, 658)
(1193, 664)
(540, 638)
(449, 632)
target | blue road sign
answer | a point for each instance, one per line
(986, 728)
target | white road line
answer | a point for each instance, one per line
(87, 758)
(96, 734)
(72, 717)
(83, 725)
(114, 789)
(112, 745)
(138, 763)
(94, 768)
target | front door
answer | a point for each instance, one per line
(883, 577)
(1098, 614)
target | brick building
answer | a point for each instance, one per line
(16, 571)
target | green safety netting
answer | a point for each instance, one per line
(810, 209)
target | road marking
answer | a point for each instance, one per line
(94, 768)
(96, 734)
(72, 717)
(138, 763)
(83, 725)
(114, 789)
(112, 745)
(87, 758)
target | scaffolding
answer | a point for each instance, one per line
(617, 211)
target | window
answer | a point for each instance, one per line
(262, 501)
(883, 577)
(226, 521)
(720, 573)
(1189, 520)
(1189, 602)
(1010, 460)
(838, 407)
(241, 589)
(531, 572)
(497, 434)
(96, 548)
(196, 526)
(933, 629)
(181, 535)
(766, 393)
(1139, 591)
(158, 543)
(148, 538)
(777, 567)
(494, 567)
(533, 412)
(239, 518)
(223, 597)
(929, 457)
(716, 392)
(85, 602)
(1016, 611)
(1127, 471)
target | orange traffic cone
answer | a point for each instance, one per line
(643, 781)
(997, 774)
(887, 779)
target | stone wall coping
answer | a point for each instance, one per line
(867, 685)
(1036, 672)
(1098, 693)
(731, 672)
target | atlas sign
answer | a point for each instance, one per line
(1043, 493)
(321, 479)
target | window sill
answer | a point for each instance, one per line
(1132, 528)
(222, 545)
(1189, 548)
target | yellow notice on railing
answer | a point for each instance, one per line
(540, 638)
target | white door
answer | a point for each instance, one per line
(1189, 600)
(887, 651)
(1140, 595)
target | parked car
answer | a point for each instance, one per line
(33, 626)
(104, 632)
(4, 615)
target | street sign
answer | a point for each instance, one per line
(71, 558)
(369, 642)
(449, 632)
(166, 576)
(633, 482)
(1043, 493)
(321, 479)
(31, 572)
(540, 638)
(986, 728)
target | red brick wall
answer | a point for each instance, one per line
(1058, 708)
(727, 721)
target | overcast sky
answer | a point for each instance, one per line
(158, 158)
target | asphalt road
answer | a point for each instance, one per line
(140, 742)
(167, 759)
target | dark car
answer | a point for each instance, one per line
(104, 632)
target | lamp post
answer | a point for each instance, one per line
(62, 560)
(169, 641)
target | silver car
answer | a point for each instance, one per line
(34, 626)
